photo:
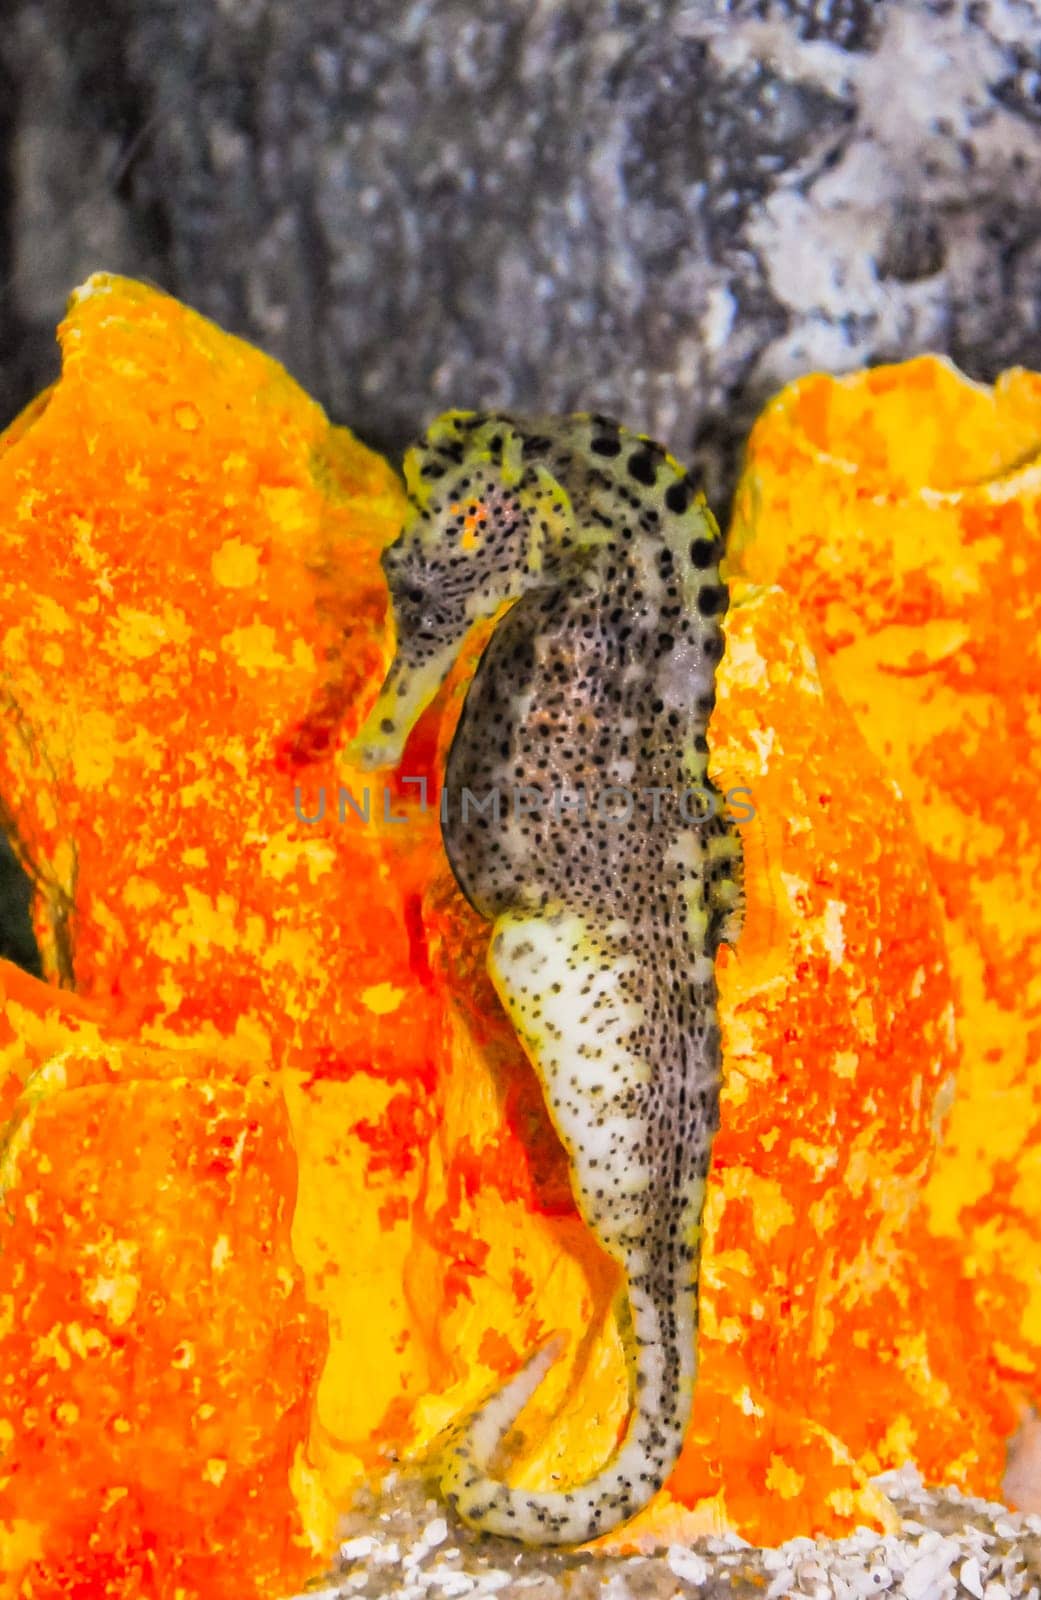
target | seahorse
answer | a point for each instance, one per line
(608, 900)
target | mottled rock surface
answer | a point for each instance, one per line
(665, 209)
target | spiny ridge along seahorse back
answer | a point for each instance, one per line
(609, 888)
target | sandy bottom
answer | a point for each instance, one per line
(401, 1543)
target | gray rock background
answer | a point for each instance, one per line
(663, 209)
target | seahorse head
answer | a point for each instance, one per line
(482, 513)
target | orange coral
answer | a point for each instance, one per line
(902, 507)
(158, 1362)
(270, 1006)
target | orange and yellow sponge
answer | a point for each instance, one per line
(281, 1199)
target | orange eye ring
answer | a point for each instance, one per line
(475, 519)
